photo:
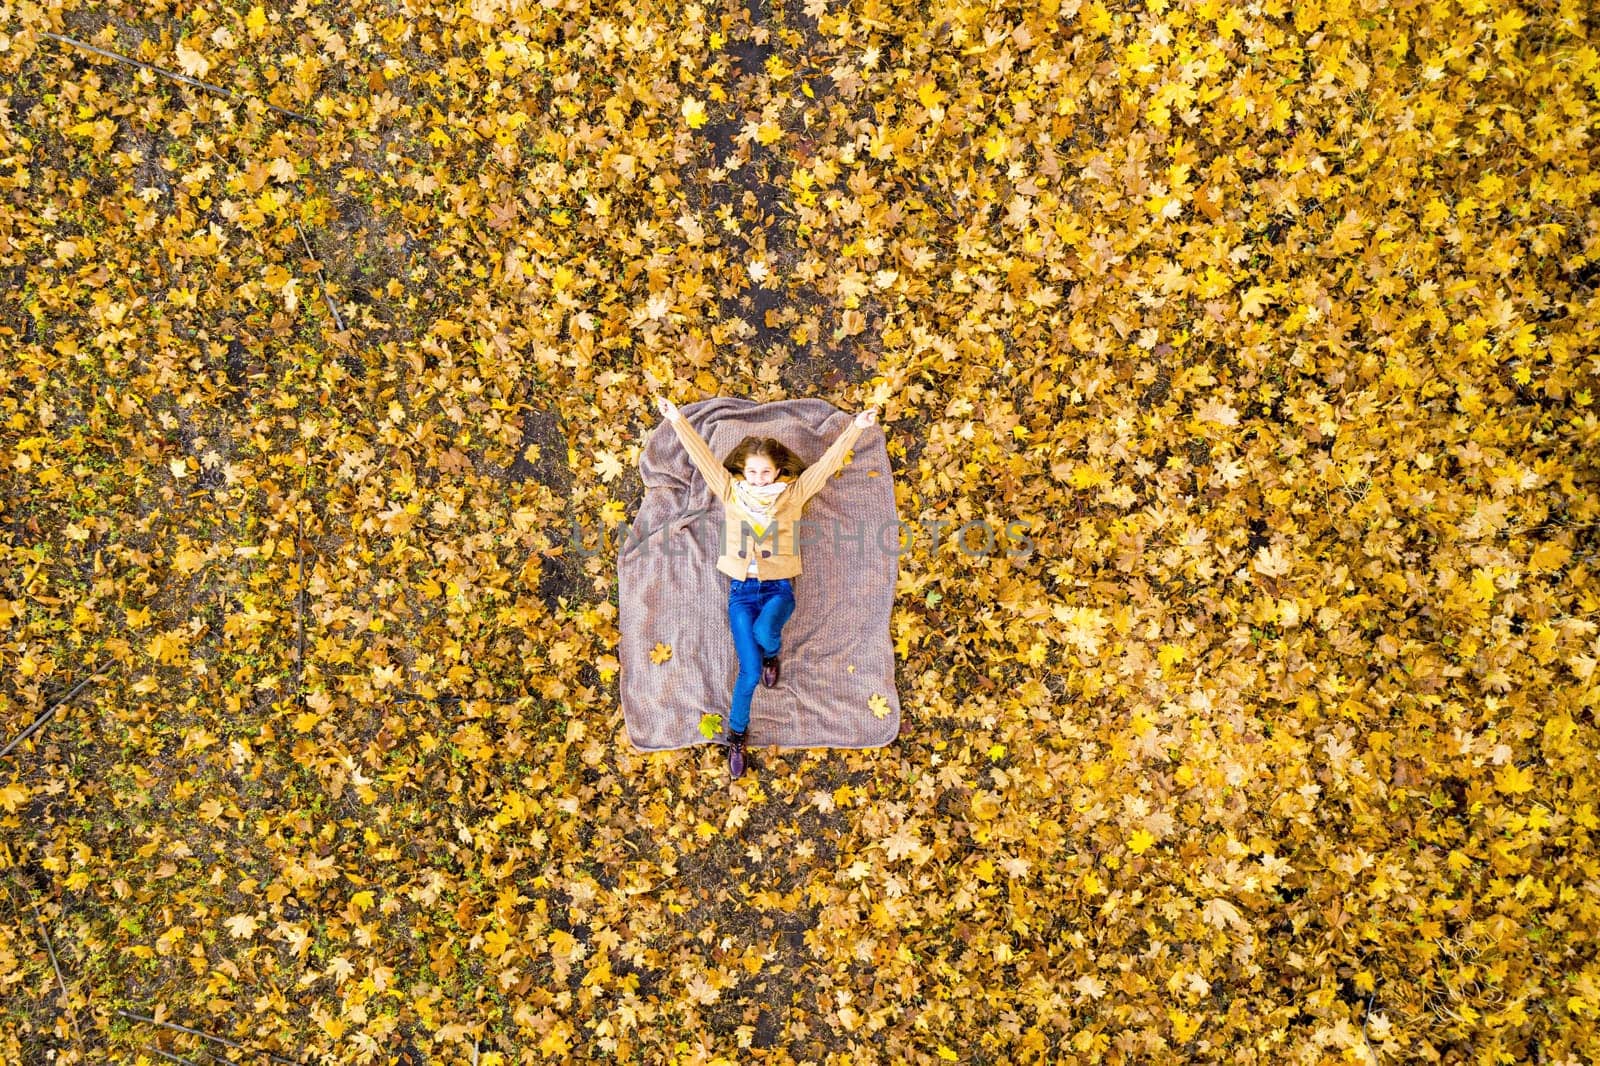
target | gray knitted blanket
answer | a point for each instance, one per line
(837, 685)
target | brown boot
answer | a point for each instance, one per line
(735, 754)
(769, 671)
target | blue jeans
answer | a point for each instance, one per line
(756, 612)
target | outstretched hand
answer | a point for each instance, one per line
(866, 418)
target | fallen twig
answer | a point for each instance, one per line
(337, 321)
(66, 997)
(300, 605)
(207, 86)
(1364, 1016)
(39, 722)
(170, 1057)
(195, 1032)
(44, 933)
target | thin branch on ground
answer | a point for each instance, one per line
(196, 1032)
(39, 722)
(66, 996)
(207, 86)
(337, 321)
(170, 1057)
(1364, 1016)
(300, 605)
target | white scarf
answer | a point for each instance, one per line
(758, 501)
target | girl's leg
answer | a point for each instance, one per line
(741, 620)
(768, 626)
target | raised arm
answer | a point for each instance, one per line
(814, 477)
(700, 454)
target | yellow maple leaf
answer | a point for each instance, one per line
(1098, 18)
(562, 944)
(192, 62)
(1513, 780)
(660, 653)
(608, 464)
(694, 113)
(13, 796)
(879, 705)
(1087, 477)
(1510, 23)
(1219, 912)
(555, 1043)
(1254, 299)
(241, 926)
(165, 647)
(1140, 842)
(1183, 1025)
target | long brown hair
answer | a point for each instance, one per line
(789, 465)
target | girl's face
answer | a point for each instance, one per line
(758, 470)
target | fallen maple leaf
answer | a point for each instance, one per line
(192, 62)
(241, 926)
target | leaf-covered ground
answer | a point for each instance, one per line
(1277, 322)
